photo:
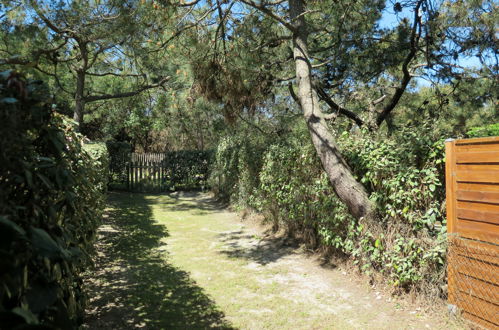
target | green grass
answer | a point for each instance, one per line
(161, 295)
(181, 261)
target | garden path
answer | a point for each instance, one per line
(181, 261)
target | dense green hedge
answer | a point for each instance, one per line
(51, 198)
(119, 156)
(404, 173)
(484, 131)
(187, 169)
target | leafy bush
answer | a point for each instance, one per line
(403, 172)
(187, 169)
(235, 169)
(51, 198)
(484, 131)
(119, 156)
(98, 152)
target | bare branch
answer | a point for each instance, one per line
(93, 98)
(335, 107)
(379, 100)
(269, 13)
(399, 91)
(188, 4)
(95, 74)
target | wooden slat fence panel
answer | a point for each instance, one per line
(472, 184)
(146, 172)
(164, 172)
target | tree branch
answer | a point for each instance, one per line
(399, 91)
(93, 98)
(335, 107)
(269, 13)
(293, 94)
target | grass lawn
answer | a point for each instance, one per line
(180, 261)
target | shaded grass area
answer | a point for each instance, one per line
(267, 251)
(134, 285)
(164, 259)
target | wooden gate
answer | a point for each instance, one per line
(146, 172)
(472, 184)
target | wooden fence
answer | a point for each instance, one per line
(472, 184)
(163, 172)
(146, 172)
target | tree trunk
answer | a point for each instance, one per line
(79, 98)
(351, 192)
(81, 74)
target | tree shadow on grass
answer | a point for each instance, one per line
(239, 244)
(133, 285)
(200, 202)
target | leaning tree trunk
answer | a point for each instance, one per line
(351, 192)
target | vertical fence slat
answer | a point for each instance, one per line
(128, 187)
(147, 172)
(450, 166)
(136, 183)
(450, 183)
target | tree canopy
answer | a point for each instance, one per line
(173, 75)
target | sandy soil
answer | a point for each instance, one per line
(181, 261)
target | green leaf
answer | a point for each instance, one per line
(9, 100)
(11, 225)
(44, 180)
(29, 178)
(432, 187)
(27, 315)
(45, 245)
(42, 296)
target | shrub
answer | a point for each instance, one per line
(484, 131)
(187, 169)
(119, 156)
(101, 158)
(403, 173)
(51, 199)
(235, 170)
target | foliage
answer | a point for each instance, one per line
(98, 152)
(483, 131)
(119, 153)
(404, 174)
(187, 169)
(228, 66)
(234, 172)
(51, 198)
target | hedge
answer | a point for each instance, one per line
(283, 179)
(51, 201)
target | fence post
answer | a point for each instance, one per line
(450, 200)
(450, 184)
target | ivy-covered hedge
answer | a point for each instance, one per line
(402, 172)
(51, 199)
